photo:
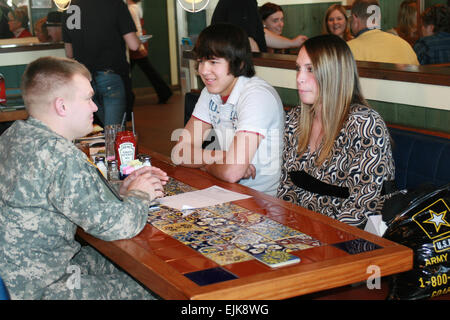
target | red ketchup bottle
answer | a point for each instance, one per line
(2, 90)
(125, 147)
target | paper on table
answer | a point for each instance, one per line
(201, 198)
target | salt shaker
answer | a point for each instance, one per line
(113, 171)
(100, 163)
(146, 161)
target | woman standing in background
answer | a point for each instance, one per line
(140, 56)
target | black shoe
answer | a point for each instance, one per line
(163, 100)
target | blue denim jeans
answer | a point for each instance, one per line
(109, 97)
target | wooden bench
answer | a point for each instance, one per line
(421, 156)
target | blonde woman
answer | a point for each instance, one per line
(337, 153)
(336, 22)
(18, 23)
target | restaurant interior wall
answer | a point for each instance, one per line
(156, 24)
(395, 113)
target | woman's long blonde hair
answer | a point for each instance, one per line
(338, 88)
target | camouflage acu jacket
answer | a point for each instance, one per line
(47, 189)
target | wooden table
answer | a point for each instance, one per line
(160, 262)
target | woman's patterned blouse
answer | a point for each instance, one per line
(361, 160)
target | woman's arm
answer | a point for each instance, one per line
(276, 41)
(370, 164)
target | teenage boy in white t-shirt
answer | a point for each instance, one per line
(245, 112)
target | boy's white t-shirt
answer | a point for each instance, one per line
(253, 106)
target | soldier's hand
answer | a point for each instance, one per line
(144, 173)
(148, 183)
(161, 175)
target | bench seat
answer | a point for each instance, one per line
(420, 157)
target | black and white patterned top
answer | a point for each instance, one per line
(361, 161)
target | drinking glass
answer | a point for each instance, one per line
(110, 138)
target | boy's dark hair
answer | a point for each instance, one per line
(439, 16)
(228, 41)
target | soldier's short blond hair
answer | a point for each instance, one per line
(46, 76)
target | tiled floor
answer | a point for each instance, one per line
(156, 122)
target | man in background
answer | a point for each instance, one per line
(54, 26)
(372, 44)
(434, 46)
(96, 33)
(245, 14)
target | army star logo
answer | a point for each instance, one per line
(432, 219)
(437, 219)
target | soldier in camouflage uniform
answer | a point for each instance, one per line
(49, 188)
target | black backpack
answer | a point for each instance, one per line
(420, 220)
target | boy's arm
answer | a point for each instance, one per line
(230, 166)
(233, 164)
(188, 151)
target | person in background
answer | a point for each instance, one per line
(434, 46)
(98, 37)
(140, 56)
(273, 20)
(407, 22)
(40, 30)
(245, 112)
(243, 13)
(337, 154)
(18, 23)
(50, 187)
(336, 22)
(5, 33)
(372, 44)
(54, 26)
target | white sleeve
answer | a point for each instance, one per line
(201, 110)
(256, 111)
